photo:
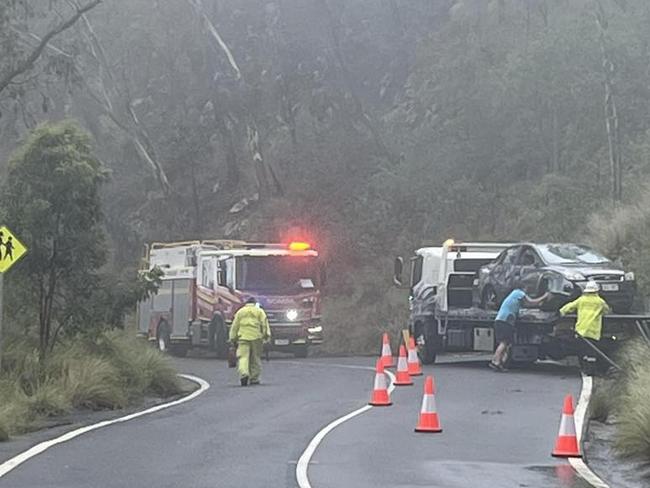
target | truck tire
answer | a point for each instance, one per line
(220, 337)
(163, 337)
(427, 332)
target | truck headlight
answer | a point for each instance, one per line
(315, 330)
(629, 276)
(292, 315)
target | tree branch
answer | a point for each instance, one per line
(28, 63)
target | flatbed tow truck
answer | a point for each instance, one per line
(444, 315)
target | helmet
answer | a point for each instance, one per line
(592, 287)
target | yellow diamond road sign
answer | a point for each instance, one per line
(11, 249)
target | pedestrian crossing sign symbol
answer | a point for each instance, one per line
(11, 249)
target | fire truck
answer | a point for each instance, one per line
(204, 283)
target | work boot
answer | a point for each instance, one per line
(255, 382)
(244, 380)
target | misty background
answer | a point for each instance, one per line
(370, 127)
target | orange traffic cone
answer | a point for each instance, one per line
(380, 395)
(428, 421)
(402, 378)
(386, 354)
(414, 367)
(566, 444)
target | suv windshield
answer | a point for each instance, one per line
(570, 254)
(277, 274)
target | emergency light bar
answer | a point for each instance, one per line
(299, 246)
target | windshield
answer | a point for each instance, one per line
(570, 254)
(277, 274)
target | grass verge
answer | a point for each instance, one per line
(625, 400)
(109, 370)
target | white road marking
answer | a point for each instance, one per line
(305, 458)
(580, 418)
(16, 461)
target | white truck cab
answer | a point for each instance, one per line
(442, 278)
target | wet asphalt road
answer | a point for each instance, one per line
(498, 432)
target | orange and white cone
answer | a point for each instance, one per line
(402, 377)
(428, 421)
(566, 444)
(414, 367)
(380, 395)
(386, 353)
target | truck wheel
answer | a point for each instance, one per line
(427, 334)
(221, 339)
(163, 337)
(301, 351)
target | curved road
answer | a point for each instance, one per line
(498, 431)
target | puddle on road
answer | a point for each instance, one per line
(452, 474)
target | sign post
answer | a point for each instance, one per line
(11, 250)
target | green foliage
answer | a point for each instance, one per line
(51, 199)
(102, 370)
(625, 398)
(633, 416)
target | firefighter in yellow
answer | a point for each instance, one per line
(249, 330)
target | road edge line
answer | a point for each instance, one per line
(581, 428)
(302, 466)
(33, 451)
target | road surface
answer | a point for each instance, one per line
(498, 431)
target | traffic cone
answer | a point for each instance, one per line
(566, 444)
(402, 378)
(414, 367)
(386, 354)
(380, 395)
(428, 421)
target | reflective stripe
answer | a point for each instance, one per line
(401, 364)
(428, 404)
(567, 426)
(385, 350)
(413, 356)
(380, 381)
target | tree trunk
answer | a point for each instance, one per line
(610, 109)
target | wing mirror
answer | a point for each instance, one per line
(398, 270)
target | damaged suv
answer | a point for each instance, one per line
(561, 269)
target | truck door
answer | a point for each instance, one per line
(206, 284)
(228, 301)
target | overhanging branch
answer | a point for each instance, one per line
(28, 63)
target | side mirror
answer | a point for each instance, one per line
(398, 270)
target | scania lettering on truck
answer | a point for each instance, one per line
(206, 282)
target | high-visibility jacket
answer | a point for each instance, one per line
(590, 308)
(250, 324)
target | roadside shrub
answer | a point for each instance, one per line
(102, 370)
(353, 322)
(633, 428)
(93, 383)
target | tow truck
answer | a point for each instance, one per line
(204, 283)
(445, 314)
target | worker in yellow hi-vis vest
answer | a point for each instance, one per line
(250, 330)
(590, 308)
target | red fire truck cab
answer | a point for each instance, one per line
(206, 282)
